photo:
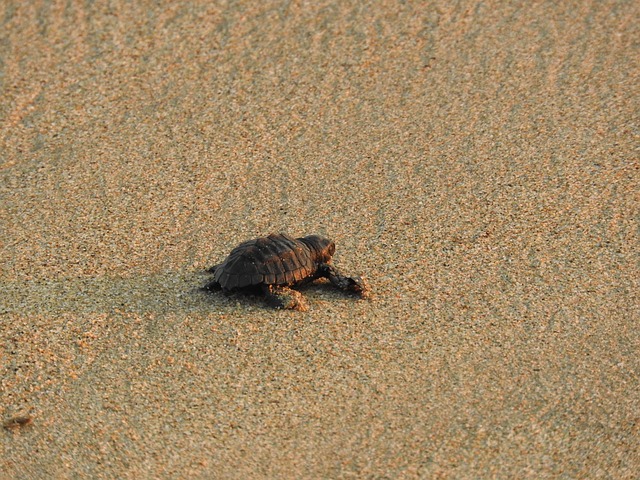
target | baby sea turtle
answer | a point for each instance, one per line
(275, 263)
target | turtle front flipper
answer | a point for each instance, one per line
(355, 284)
(284, 297)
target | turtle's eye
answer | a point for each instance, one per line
(328, 251)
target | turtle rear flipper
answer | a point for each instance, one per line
(212, 286)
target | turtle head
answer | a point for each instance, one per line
(321, 248)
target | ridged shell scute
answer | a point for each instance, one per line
(274, 260)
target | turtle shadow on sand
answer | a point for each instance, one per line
(156, 294)
(272, 265)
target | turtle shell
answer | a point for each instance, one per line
(274, 260)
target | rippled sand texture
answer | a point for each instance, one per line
(476, 161)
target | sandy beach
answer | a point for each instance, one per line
(477, 162)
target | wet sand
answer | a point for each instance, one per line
(478, 163)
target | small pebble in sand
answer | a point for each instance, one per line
(17, 422)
